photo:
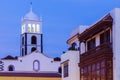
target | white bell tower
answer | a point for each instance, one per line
(31, 35)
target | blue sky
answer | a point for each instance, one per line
(60, 17)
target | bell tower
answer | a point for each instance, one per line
(31, 33)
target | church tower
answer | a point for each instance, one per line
(31, 33)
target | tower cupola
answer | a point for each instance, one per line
(31, 15)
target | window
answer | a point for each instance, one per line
(74, 45)
(60, 70)
(33, 40)
(22, 40)
(84, 73)
(22, 51)
(29, 27)
(89, 75)
(33, 28)
(36, 65)
(98, 65)
(91, 44)
(109, 70)
(23, 28)
(96, 71)
(102, 64)
(82, 70)
(33, 49)
(89, 68)
(11, 68)
(66, 69)
(108, 36)
(81, 73)
(93, 67)
(38, 28)
(105, 37)
(102, 38)
(85, 69)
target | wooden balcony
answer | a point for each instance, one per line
(100, 52)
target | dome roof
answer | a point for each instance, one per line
(31, 16)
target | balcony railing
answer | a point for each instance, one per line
(102, 49)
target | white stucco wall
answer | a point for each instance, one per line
(25, 63)
(29, 45)
(79, 30)
(73, 69)
(115, 13)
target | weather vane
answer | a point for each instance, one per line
(31, 6)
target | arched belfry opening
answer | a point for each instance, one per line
(33, 49)
(33, 40)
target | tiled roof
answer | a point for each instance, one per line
(9, 57)
(22, 74)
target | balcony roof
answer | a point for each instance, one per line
(96, 28)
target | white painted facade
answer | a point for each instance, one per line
(73, 69)
(115, 13)
(114, 38)
(30, 61)
(26, 63)
(31, 31)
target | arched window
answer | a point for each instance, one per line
(60, 70)
(11, 68)
(33, 40)
(74, 45)
(36, 65)
(33, 49)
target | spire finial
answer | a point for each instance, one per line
(31, 6)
